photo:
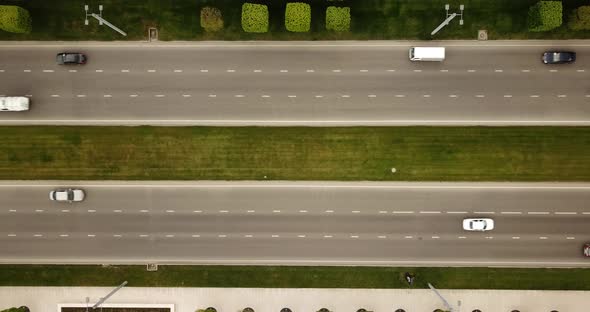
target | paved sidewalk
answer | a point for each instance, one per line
(46, 299)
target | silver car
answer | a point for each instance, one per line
(67, 195)
(479, 225)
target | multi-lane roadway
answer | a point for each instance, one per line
(297, 83)
(296, 223)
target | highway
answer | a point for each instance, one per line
(297, 83)
(311, 223)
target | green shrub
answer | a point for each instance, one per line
(298, 17)
(580, 18)
(254, 18)
(504, 23)
(545, 15)
(15, 19)
(338, 19)
(211, 19)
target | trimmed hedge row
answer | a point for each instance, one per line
(580, 18)
(298, 17)
(15, 19)
(545, 15)
(254, 18)
(338, 18)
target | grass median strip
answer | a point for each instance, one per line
(296, 153)
(294, 277)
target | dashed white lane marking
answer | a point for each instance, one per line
(400, 95)
(511, 212)
(562, 95)
(456, 211)
(118, 210)
(417, 70)
(542, 237)
(452, 95)
(1, 70)
(38, 235)
(250, 211)
(63, 235)
(204, 70)
(354, 236)
(356, 211)
(507, 95)
(124, 70)
(48, 70)
(303, 211)
(170, 211)
(39, 210)
(570, 237)
(538, 212)
(231, 70)
(73, 70)
(328, 236)
(223, 211)
(391, 70)
(257, 70)
(484, 212)
(27, 70)
(169, 235)
(284, 70)
(186, 95)
(160, 95)
(336, 70)
(65, 210)
(29, 95)
(55, 95)
(151, 71)
(408, 236)
(436, 237)
(178, 70)
(144, 211)
(498, 70)
(580, 70)
(196, 235)
(587, 95)
(403, 212)
(11, 235)
(426, 95)
(381, 236)
(222, 235)
(434, 212)
(345, 95)
(239, 95)
(515, 237)
(12, 210)
(276, 211)
(525, 70)
(91, 235)
(117, 235)
(461, 237)
(364, 70)
(534, 95)
(81, 95)
(99, 70)
(133, 95)
(301, 236)
(91, 210)
(319, 96)
(382, 211)
(329, 211)
(197, 211)
(565, 213)
(471, 70)
(479, 95)
(553, 70)
(586, 213)
(372, 95)
(265, 96)
(107, 95)
(248, 236)
(489, 237)
(212, 95)
(310, 71)
(444, 70)
(291, 96)
(143, 235)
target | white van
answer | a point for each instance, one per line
(14, 103)
(431, 54)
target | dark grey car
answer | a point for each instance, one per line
(67, 58)
(559, 57)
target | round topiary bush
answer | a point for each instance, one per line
(15, 19)
(338, 18)
(211, 19)
(254, 18)
(298, 17)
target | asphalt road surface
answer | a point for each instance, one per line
(296, 223)
(297, 83)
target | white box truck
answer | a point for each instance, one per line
(429, 54)
(14, 103)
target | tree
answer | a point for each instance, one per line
(211, 19)
(545, 15)
(15, 19)
(580, 18)
(19, 309)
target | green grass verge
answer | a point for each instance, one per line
(294, 277)
(371, 19)
(296, 153)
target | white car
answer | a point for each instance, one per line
(14, 103)
(479, 225)
(67, 195)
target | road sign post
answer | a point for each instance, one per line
(450, 17)
(101, 20)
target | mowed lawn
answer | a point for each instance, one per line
(294, 277)
(371, 19)
(296, 153)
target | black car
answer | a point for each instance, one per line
(558, 57)
(67, 58)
